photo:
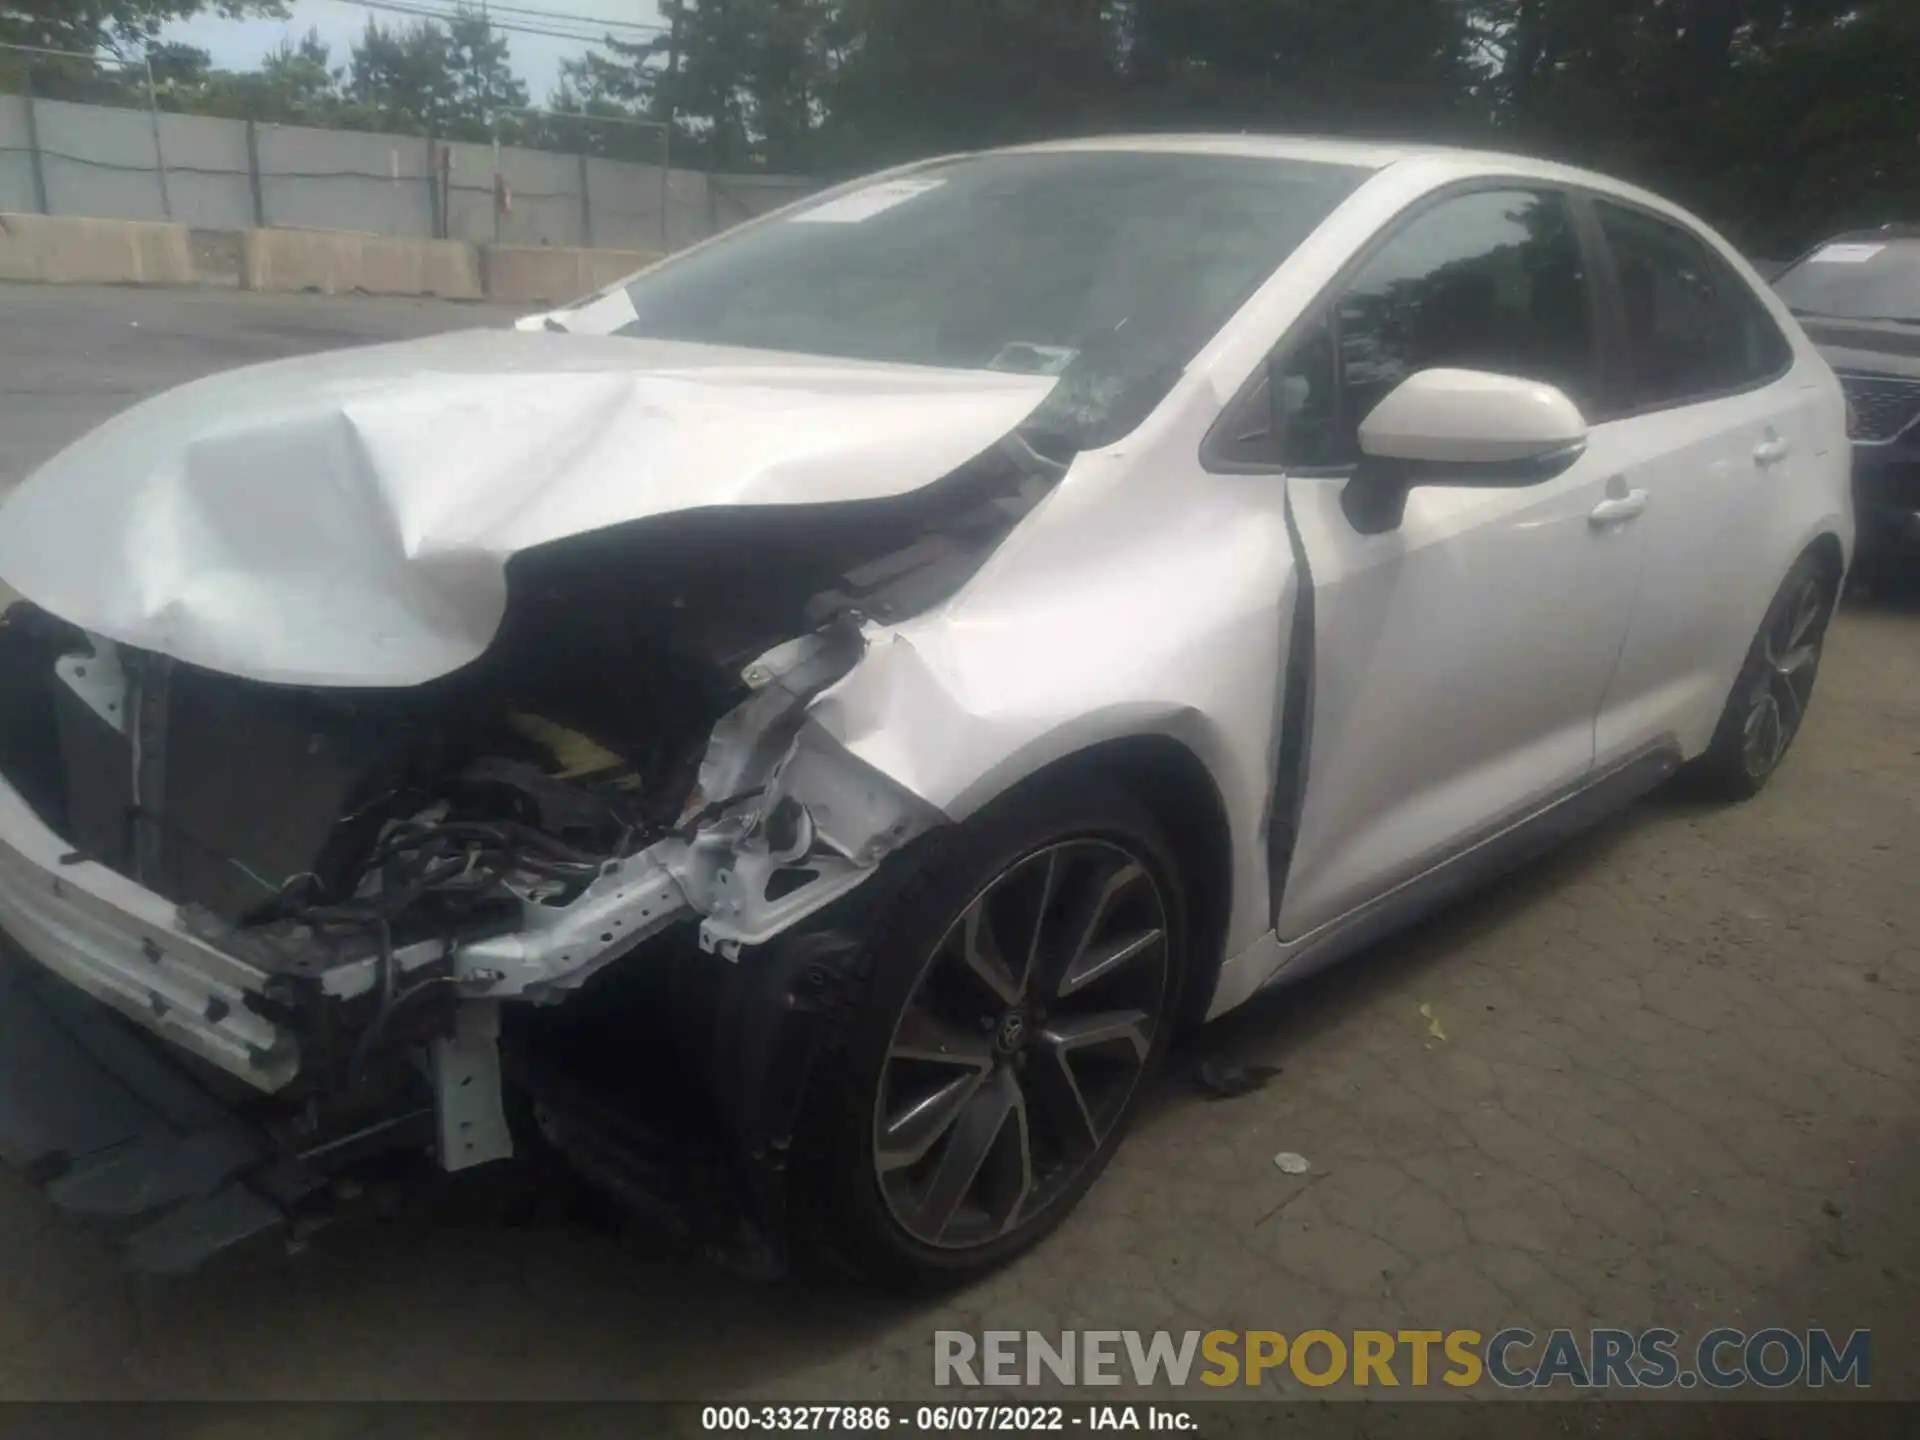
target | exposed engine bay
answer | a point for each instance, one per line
(629, 766)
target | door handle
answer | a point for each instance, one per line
(1617, 509)
(1772, 451)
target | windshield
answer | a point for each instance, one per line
(1867, 278)
(1107, 269)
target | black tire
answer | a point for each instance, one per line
(1769, 700)
(1037, 842)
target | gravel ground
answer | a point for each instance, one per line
(1677, 1085)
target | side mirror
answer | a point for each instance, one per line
(1459, 427)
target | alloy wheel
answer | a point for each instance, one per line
(1021, 1043)
(1790, 656)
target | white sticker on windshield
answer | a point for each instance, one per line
(1844, 254)
(601, 316)
(865, 204)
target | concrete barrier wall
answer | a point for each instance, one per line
(553, 275)
(335, 262)
(73, 249)
(59, 249)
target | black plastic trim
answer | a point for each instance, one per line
(1295, 742)
(757, 1026)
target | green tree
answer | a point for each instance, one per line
(293, 84)
(485, 90)
(1780, 119)
(122, 30)
(177, 65)
(400, 79)
(909, 77)
(296, 84)
(605, 91)
(738, 81)
(299, 83)
(785, 79)
(707, 92)
(1816, 126)
(1372, 66)
(456, 81)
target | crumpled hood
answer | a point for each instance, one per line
(346, 519)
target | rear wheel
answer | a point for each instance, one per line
(1769, 700)
(1020, 986)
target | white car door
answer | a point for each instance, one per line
(1719, 431)
(1459, 659)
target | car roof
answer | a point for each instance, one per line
(1361, 154)
(1449, 162)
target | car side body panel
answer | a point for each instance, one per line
(1459, 660)
(1050, 651)
(1722, 527)
(1739, 485)
(1215, 577)
(1142, 568)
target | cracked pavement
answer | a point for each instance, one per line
(1677, 1087)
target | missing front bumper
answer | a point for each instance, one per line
(173, 1168)
(726, 1056)
(128, 948)
(135, 1147)
(791, 824)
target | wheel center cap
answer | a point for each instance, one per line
(1012, 1032)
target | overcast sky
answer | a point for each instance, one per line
(240, 44)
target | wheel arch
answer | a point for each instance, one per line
(1826, 548)
(1171, 780)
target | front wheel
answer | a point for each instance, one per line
(1020, 985)
(1770, 699)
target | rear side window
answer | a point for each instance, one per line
(1694, 329)
(1490, 280)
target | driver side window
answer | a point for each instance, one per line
(1493, 280)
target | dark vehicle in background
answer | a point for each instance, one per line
(1858, 297)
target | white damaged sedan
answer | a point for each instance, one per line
(794, 736)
